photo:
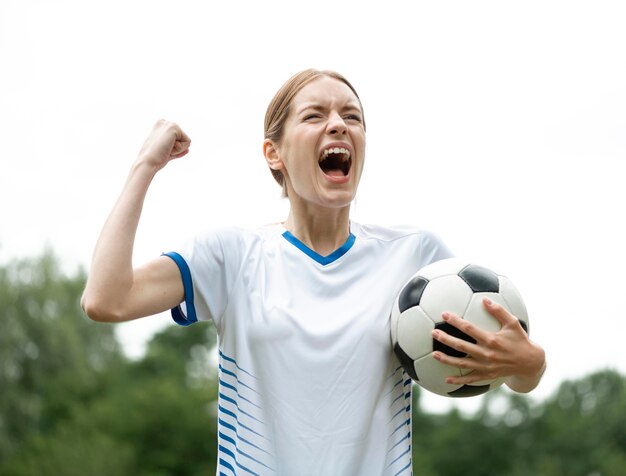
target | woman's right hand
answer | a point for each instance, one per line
(166, 142)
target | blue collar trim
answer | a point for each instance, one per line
(323, 260)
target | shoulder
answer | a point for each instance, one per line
(392, 233)
(237, 237)
(415, 241)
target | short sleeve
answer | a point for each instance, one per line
(208, 266)
(432, 249)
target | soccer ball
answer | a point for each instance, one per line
(459, 287)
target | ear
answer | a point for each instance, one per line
(270, 151)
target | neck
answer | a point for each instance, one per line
(322, 230)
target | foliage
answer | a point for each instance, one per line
(51, 357)
(72, 404)
(581, 430)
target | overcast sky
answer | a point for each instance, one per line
(499, 125)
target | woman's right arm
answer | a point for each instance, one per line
(115, 291)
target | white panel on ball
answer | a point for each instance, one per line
(513, 298)
(446, 293)
(393, 323)
(478, 315)
(414, 333)
(430, 372)
(492, 383)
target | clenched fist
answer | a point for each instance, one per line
(166, 141)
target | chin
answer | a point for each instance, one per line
(339, 200)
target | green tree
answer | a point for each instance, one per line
(164, 405)
(71, 403)
(51, 356)
(580, 431)
(582, 428)
(453, 444)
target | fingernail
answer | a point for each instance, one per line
(445, 316)
(488, 301)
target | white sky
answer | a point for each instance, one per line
(499, 125)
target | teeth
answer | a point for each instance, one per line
(345, 153)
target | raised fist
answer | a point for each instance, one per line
(166, 141)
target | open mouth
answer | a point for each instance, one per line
(335, 161)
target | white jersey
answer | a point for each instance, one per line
(308, 382)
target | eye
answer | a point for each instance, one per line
(310, 117)
(353, 117)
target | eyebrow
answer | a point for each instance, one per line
(319, 107)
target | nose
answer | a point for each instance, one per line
(336, 125)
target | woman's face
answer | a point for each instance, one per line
(322, 149)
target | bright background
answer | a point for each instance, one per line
(499, 125)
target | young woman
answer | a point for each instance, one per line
(309, 384)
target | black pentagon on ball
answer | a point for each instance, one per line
(406, 361)
(469, 391)
(412, 293)
(455, 332)
(524, 325)
(480, 279)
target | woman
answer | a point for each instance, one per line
(308, 380)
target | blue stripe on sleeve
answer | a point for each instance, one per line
(177, 313)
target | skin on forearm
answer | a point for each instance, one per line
(111, 274)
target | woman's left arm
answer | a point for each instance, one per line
(507, 353)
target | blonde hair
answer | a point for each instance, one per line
(278, 109)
